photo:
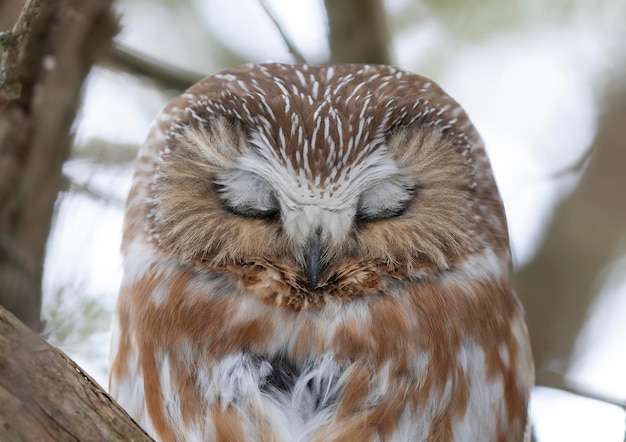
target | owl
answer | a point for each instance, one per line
(318, 253)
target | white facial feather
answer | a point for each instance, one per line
(307, 204)
(245, 191)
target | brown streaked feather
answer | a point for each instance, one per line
(413, 320)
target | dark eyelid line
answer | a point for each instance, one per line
(256, 204)
(382, 215)
(387, 213)
(250, 212)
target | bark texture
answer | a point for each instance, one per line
(45, 396)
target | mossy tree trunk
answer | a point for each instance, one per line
(46, 56)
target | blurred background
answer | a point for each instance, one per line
(544, 81)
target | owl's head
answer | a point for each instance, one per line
(307, 184)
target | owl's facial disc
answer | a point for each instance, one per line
(331, 177)
(316, 221)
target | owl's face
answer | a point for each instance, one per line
(322, 181)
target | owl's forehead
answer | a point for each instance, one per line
(324, 126)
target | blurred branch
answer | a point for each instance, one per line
(358, 31)
(167, 76)
(62, 40)
(293, 49)
(20, 291)
(560, 285)
(70, 185)
(105, 153)
(409, 16)
(557, 381)
(577, 167)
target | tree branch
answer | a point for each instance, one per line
(61, 39)
(560, 285)
(358, 31)
(291, 46)
(86, 189)
(45, 396)
(167, 76)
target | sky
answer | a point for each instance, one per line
(538, 115)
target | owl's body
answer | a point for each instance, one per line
(318, 253)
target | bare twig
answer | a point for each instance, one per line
(172, 77)
(68, 184)
(293, 49)
(104, 152)
(577, 167)
(166, 75)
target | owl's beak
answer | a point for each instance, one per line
(313, 259)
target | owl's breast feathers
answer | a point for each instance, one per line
(282, 286)
(429, 360)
